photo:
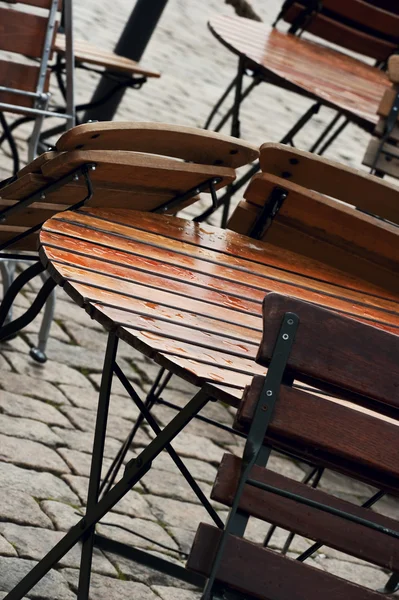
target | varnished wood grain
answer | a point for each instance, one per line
(332, 530)
(195, 145)
(336, 78)
(265, 574)
(21, 77)
(22, 32)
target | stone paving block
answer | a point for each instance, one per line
(195, 446)
(336, 484)
(83, 441)
(117, 388)
(179, 514)
(368, 576)
(172, 486)
(151, 532)
(23, 384)
(29, 430)
(199, 469)
(26, 453)
(175, 593)
(118, 427)
(52, 371)
(105, 588)
(29, 408)
(52, 587)
(88, 399)
(4, 364)
(134, 504)
(18, 507)
(39, 485)
(63, 516)
(33, 328)
(80, 462)
(183, 537)
(69, 311)
(18, 344)
(144, 574)
(34, 543)
(6, 549)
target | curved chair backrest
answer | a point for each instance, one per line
(143, 166)
(352, 24)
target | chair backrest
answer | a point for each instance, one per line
(142, 166)
(352, 24)
(303, 341)
(26, 33)
(382, 153)
(313, 206)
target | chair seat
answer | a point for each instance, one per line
(88, 53)
(337, 79)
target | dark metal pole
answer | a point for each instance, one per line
(131, 44)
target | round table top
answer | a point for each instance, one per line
(187, 294)
(337, 79)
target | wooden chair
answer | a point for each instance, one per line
(143, 166)
(323, 210)
(24, 86)
(358, 363)
(382, 154)
(325, 75)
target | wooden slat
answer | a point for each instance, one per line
(264, 574)
(345, 36)
(131, 168)
(387, 100)
(85, 52)
(23, 186)
(8, 232)
(337, 79)
(35, 166)
(22, 32)
(331, 349)
(196, 145)
(393, 68)
(333, 531)
(21, 77)
(248, 281)
(330, 432)
(354, 187)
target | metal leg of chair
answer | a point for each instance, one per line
(15, 287)
(34, 139)
(11, 142)
(220, 102)
(38, 353)
(392, 585)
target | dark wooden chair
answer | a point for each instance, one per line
(358, 364)
(323, 210)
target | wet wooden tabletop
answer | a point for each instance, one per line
(190, 295)
(339, 80)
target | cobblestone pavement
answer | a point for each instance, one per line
(47, 413)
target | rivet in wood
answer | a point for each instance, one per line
(76, 177)
(285, 336)
(42, 196)
(290, 321)
(93, 167)
(264, 407)
(269, 393)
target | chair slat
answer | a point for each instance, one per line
(20, 77)
(200, 146)
(264, 574)
(22, 33)
(138, 169)
(345, 36)
(331, 530)
(388, 160)
(364, 191)
(332, 349)
(23, 186)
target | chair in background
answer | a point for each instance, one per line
(358, 363)
(382, 154)
(143, 166)
(326, 76)
(24, 86)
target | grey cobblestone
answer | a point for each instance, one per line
(83, 441)
(39, 485)
(52, 587)
(175, 593)
(105, 588)
(29, 430)
(6, 550)
(52, 371)
(25, 453)
(22, 384)
(30, 408)
(63, 516)
(18, 507)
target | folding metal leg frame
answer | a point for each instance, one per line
(9, 328)
(134, 471)
(319, 147)
(255, 453)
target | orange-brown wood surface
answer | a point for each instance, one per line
(190, 295)
(19, 77)
(333, 77)
(22, 32)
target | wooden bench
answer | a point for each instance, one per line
(359, 363)
(323, 210)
